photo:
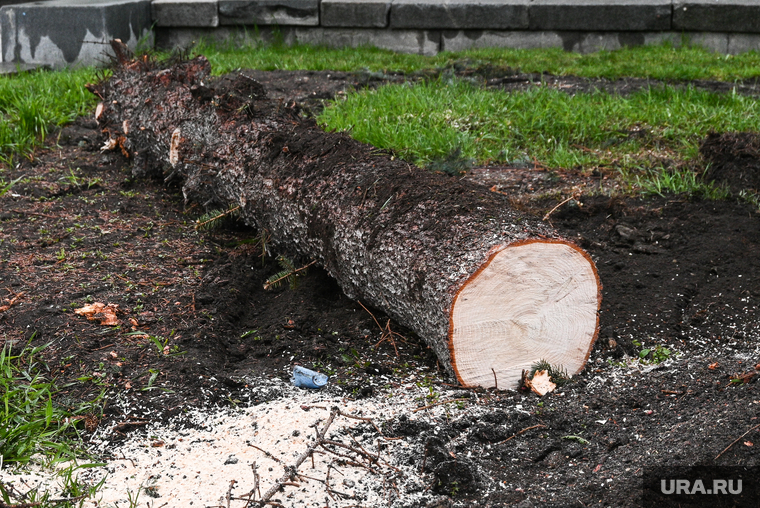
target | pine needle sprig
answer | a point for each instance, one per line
(288, 274)
(215, 218)
(557, 373)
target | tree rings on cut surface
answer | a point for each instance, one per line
(531, 301)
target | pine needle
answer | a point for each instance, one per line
(214, 218)
(289, 273)
(557, 373)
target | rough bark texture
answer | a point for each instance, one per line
(397, 237)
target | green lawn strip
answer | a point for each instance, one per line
(427, 121)
(38, 424)
(33, 102)
(226, 58)
(34, 418)
(664, 62)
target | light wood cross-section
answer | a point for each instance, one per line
(532, 301)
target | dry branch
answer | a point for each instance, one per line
(292, 471)
(490, 289)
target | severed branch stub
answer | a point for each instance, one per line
(490, 289)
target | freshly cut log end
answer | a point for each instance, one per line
(531, 301)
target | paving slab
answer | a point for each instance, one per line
(169, 38)
(717, 15)
(600, 15)
(460, 40)
(741, 43)
(581, 42)
(189, 13)
(421, 42)
(355, 13)
(459, 14)
(269, 12)
(71, 32)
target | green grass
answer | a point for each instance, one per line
(447, 120)
(662, 181)
(37, 425)
(32, 418)
(427, 121)
(229, 57)
(664, 62)
(33, 102)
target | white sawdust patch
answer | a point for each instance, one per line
(208, 454)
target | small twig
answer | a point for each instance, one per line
(265, 452)
(229, 492)
(368, 420)
(449, 401)
(375, 458)
(495, 381)
(124, 457)
(517, 434)
(290, 471)
(327, 480)
(550, 212)
(388, 335)
(37, 214)
(385, 332)
(460, 387)
(373, 316)
(300, 475)
(736, 441)
(22, 505)
(368, 456)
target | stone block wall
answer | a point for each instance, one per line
(71, 32)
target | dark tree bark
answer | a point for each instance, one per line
(489, 289)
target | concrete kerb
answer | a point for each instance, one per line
(601, 15)
(717, 15)
(185, 13)
(269, 12)
(423, 42)
(355, 13)
(460, 14)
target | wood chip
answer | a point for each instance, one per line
(541, 383)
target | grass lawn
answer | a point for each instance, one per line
(649, 134)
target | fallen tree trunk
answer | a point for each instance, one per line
(491, 290)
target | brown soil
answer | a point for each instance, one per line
(677, 273)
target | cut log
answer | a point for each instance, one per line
(490, 289)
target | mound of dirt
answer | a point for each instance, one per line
(734, 160)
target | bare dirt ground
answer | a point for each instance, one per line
(196, 329)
